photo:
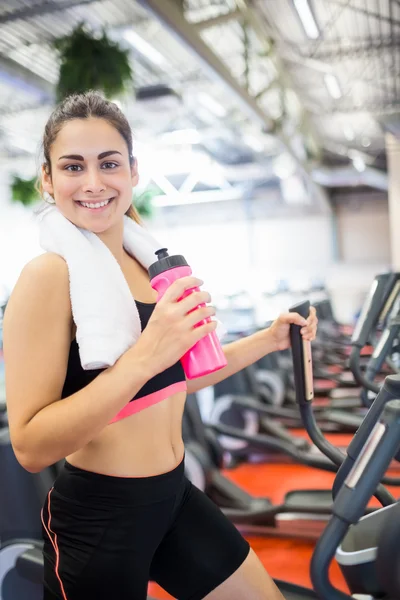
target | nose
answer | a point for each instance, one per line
(93, 182)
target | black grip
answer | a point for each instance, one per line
(302, 308)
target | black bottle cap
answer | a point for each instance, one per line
(166, 262)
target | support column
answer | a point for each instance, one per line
(393, 161)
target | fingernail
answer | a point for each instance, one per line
(304, 322)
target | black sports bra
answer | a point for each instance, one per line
(161, 386)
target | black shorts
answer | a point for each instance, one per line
(107, 537)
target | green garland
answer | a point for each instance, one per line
(91, 63)
(24, 190)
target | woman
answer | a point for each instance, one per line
(121, 512)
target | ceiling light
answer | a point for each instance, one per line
(144, 47)
(359, 164)
(332, 85)
(211, 104)
(307, 18)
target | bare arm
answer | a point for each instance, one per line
(37, 335)
(239, 354)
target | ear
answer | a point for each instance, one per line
(47, 185)
(134, 172)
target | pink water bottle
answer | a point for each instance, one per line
(206, 356)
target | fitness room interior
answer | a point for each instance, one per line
(267, 138)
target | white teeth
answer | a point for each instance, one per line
(97, 205)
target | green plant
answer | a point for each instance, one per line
(91, 63)
(24, 190)
(143, 200)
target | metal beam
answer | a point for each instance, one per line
(234, 15)
(372, 47)
(168, 13)
(365, 11)
(235, 193)
(41, 9)
(22, 78)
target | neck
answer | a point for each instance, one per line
(113, 238)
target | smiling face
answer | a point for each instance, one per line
(91, 175)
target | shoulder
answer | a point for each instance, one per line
(45, 265)
(47, 269)
(43, 279)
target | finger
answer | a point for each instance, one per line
(180, 286)
(308, 330)
(202, 330)
(292, 319)
(199, 315)
(312, 316)
(192, 301)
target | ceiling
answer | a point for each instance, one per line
(251, 89)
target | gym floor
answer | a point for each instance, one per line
(284, 558)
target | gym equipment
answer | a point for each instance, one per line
(252, 399)
(301, 510)
(302, 514)
(302, 366)
(376, 574)
(380, 445)
(368, 551)
(371, 571)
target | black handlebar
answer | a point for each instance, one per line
(300, 366)
(352, 499)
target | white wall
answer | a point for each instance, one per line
(363, 240)
(364, 232)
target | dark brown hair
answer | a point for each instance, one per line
(83, 106)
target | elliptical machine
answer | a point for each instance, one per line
(366, 547)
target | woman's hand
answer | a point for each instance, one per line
(280, 329)
(171, 330)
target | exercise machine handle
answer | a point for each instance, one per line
(375, 304)
(359, 486)
(303, 369)
(389, 391)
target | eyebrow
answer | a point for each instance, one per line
(100, 156)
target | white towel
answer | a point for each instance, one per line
(103, 309)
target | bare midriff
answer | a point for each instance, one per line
(144, 444)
